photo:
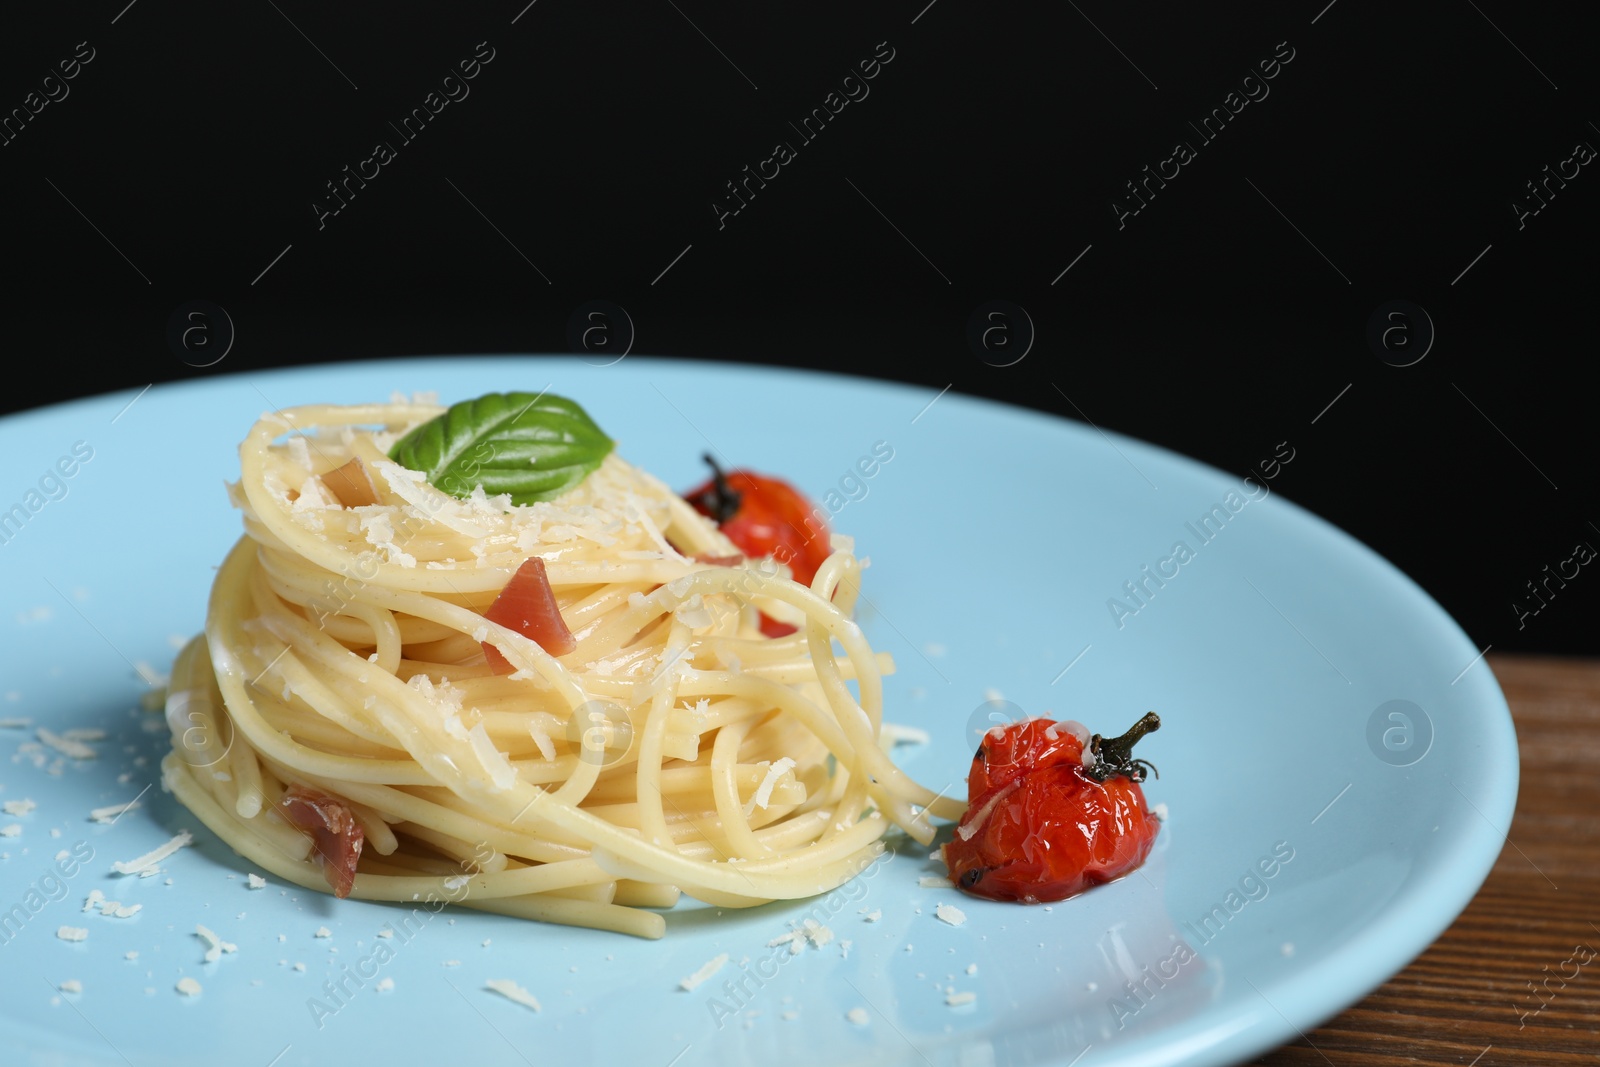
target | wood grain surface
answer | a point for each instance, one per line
(1516, 979)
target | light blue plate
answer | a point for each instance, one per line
(1000, 540)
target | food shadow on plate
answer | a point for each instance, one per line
(901, 862)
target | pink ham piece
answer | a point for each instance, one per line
(336, 835)
(528, 605)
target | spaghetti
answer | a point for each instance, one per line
(674, 750)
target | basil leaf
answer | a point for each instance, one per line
(533, 446)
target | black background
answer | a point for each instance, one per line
(1221, 319)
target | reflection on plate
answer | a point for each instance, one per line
(1337, 762)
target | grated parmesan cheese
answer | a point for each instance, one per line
(257, 882)
(386, 985)
(951, 914)
(858, 1016)
(413, 488)
(114, 909)
(73, 933)
(145, 865)
(694, 614)
(509, 989)
(934, 881)
(71, 985)
(710, 968)
(539, 729)
(955, 1000)
(808, 932)
(215, 945)
(110, 812)
(763, 794)
(65, 745)
(299, 451)
(189, 987)
(816, 933)
(18, 807)
(966, 830)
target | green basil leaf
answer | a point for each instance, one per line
(533, 446)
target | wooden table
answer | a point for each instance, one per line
(1490, 991)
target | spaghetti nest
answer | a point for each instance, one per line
(675, 750)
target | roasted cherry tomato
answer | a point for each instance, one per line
(765, 517)
(1050, 814)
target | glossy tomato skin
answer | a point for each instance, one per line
(774, 520)
(1039, 828)
(1008, 752)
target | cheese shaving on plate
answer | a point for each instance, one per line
(509, 989)
(148, 861)
(110, 812)
(711, 967)
(215, 945)
(65, 745)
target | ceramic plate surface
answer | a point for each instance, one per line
(1337, 762)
